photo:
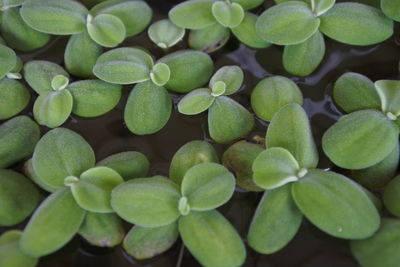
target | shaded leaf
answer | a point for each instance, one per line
(389, 94)
(8, 60)
(391, 196)
(391, 8)
(10, 253)
(246, 32)
(14, 97)
(248, 4)
(209, 39)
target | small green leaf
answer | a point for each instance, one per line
(92, 191)
(189, 155)
(14, 97)
(391, 196)
(228, 120)
(353, 92)
(106, 30)
(380, 249)
(246, 32)
(8, 60)
(218, 88)
(53, 224)
(18, 137)
(356, 24)
(160, 74)
(276, 167)
(144, 243)
(272, 93)
(360, 139)
(336, 205)
(81, 55)
(189, 70)
(124, 66)
(248, 4)
(227, 14)
(61, 153)
(391, 8)
(207, 186)
(165, 34)
(18, 197)
(148, 202)
(232, 76)
(94, 98)
(195, 14)
(275, 222)
(211, 239)
(129, 164)
(52, 109)
(209, 39)
(389, 94)
(102, 230)
(290, 129)
(59, 82)
(10, 252)
(148, 108)
(287, 23)
(55, 17)
(196, 101)
(19, 35)
(320, 7)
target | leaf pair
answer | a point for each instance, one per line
(227, 119)
(210, 23)
(58, 99)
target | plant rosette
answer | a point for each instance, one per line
(369, 133)
(227, 119)
(300, 26)
(211, 22)
(108, 23)
(295, 187)
(160, 209)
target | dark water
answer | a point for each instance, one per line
(108, 135)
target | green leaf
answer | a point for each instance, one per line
(19, 35)
(165, 34)
(195, 14)
(124, 66)
(287, 23)
(7, 4)
(227, 14)
(389, 94)
(380, 249)
(196, 101)
(211, 239)
(189, 70)
(8, 60)
(391, 8)
(18, 197)
(102, 230)
(336, 205)
(81, 54)
(93, 189)
(30, 173)
(94, 98)
(207, 186)
(160, 74)
(276, 167)
(356, 24)
(10, 253)
(391, 196)
(55, 17)
(353, 92)
(59, 82)
(106, 30)
(148, 108)
(378, 175)
(209, 39)
(228, 120)
(18, 137)
(61, 153)
(144, 243)
(275, 222)
(304, 58)
(248, 4)
(320, 7)
(272, 93)
(53, 224)
(129, 164)
(360, 139)
(39, 74)
(135, 15)
(148, 202)
(52, 109)
(290, 129)
(239, 158)
(14, 97)
(232, 76)
(192, 153)
(246, 32)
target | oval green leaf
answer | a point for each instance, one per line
(195, 14)
(209, 39)
(14, 97)
(106, 30)
(160, 74)
(228, 14)
(196, 102)
(389, 94)
(165, 34)
(232, 76)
